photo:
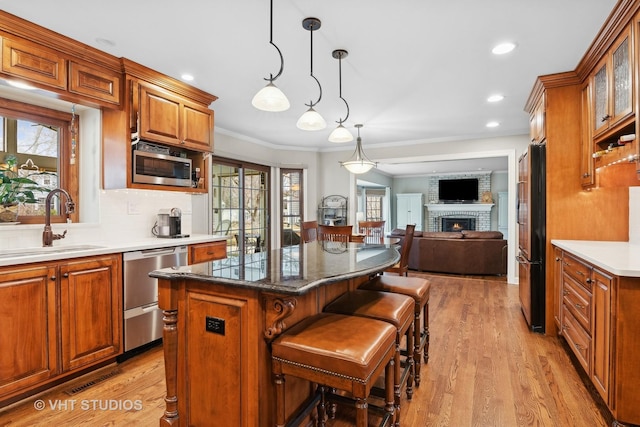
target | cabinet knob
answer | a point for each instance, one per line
(564, 292)
(586, 175)
(65, 275)
(52, 278)
(579, 347)
(588, 280)
(579, 306)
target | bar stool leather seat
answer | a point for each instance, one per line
(325, 350)
(418, 289)
(393, 308)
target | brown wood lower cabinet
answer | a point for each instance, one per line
(600, 320)
(60, 317)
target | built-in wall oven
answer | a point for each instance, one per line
(142, 317)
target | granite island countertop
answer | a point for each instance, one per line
(619, 258)
(292, 270)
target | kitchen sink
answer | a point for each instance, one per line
(17, 253)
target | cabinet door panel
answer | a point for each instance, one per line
(94, 83)
(91, 311)
(159, 116)
(197, 126)
(601, 333)
(34, 63)
(28, 336)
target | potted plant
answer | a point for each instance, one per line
(15, 190)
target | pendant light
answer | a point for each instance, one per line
(311, 119)
(358, 162)
(270, 98)
(341, 134)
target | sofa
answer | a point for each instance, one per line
(458, 252)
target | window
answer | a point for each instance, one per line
(291, 206)
(37, 143)
(374, 207)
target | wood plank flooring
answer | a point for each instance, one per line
(485, 369)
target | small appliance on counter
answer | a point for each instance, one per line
(168, 224)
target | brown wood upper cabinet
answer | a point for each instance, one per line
(613, 89)
(34, 63)
(170, 119)
(537, 121)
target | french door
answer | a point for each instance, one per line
(240, 210)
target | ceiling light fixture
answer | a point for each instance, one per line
(360, 163)
(493, 124)
(503, 48)
(311, 119)
(341, 134)
(495, 98)
(270, 98)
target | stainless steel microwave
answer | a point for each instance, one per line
(161, 169)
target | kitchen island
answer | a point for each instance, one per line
(221, 316)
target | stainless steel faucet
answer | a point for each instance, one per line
(47, 235)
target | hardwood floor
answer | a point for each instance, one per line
(485, 369)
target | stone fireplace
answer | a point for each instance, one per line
(475, 216)
(457, 224)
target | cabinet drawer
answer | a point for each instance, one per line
(34, 63)
(580, 271)
(577, 337)
(577, 300)
(95, 83)
(204, 252)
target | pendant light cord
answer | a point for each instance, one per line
(340, 121)
(311, 103)
(271, 78)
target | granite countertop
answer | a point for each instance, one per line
(60, 250)
(619, 258)
(291, 270)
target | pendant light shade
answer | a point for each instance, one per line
(270, 98)
(358, 162)
(341, 134)
(311, 119)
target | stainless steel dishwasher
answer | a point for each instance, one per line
(142, 317)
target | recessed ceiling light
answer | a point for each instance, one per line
(187, 77)
(503, 48)
(493, 124)
(495, 98)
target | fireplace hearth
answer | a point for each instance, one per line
(458, 224)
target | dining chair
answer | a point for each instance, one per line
(335, 233)
(309, 231)
(373, 231)
(402, 267)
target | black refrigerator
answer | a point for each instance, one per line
(531, 212)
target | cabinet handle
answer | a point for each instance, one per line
(565, 292)
(182, 142)
(580, 306)
(579, 347)
(580, 272)
(558, 258)
(586, 175)
(605, 118)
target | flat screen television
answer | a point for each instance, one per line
(458, 190)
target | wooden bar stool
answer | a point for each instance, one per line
(418, 289)
(394, 309)
(339, 352)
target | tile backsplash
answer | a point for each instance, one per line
(121, 215)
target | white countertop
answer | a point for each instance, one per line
(619, 258)
(57, 252)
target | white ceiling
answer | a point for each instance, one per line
(417, 70)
